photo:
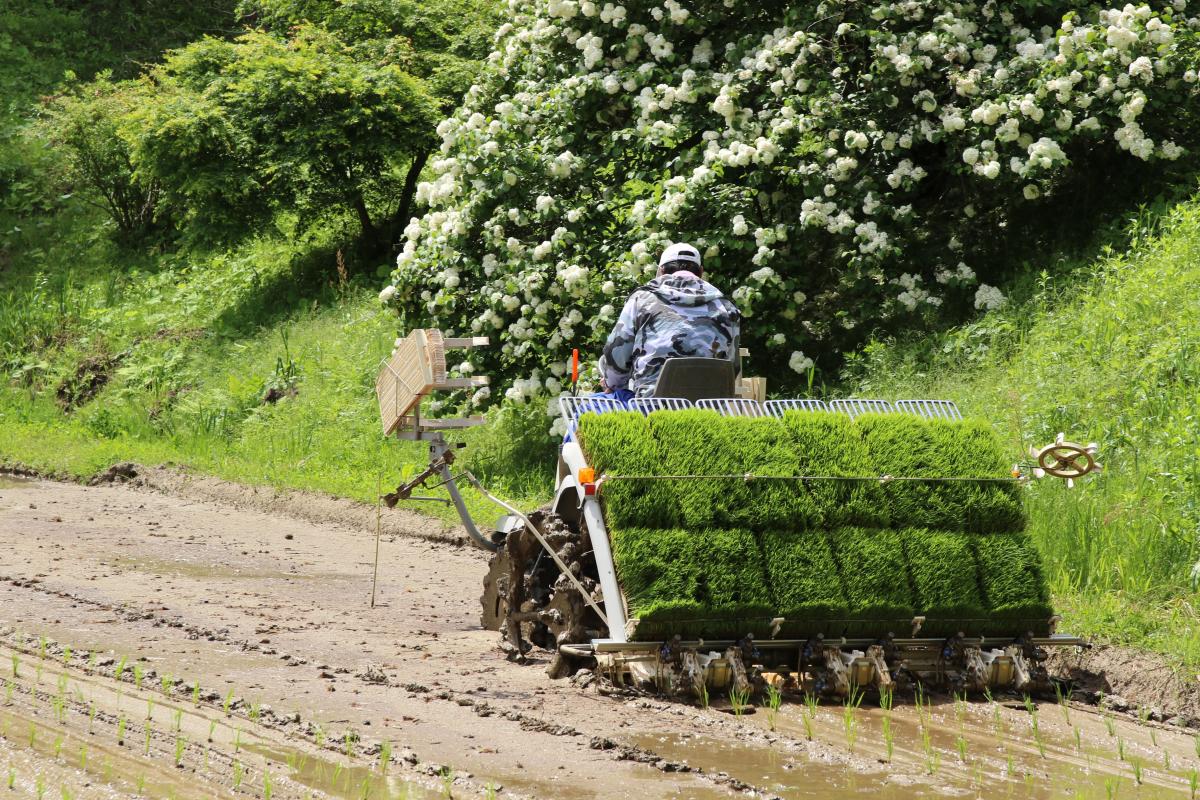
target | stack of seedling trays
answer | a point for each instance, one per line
(703, 552)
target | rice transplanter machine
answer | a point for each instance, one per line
(552, 582)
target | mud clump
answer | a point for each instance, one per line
(373, 673)
(121, 472)
(90, 376)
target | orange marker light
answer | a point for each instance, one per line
(587, 475)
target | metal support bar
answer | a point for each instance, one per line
(437, 451)
(450, 424)
(461, 343)
(750, 476)
(612, 646)
(463, 383)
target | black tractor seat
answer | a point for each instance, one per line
(696, 378)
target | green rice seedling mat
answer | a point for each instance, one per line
(700, 442)
(703, 551)
(1013, 584)
(619, 443)
(876, 578)
(806, 584)
(902, 445)
(827, 444)
(695, 583)
(945, 580)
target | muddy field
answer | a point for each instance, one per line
(162, 645)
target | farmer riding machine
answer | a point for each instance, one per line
(704, 537)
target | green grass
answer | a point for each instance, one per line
(1108, 353)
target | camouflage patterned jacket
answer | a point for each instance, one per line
(672, 316)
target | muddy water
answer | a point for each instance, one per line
(196, 569)
(952, 749)
(334, 779)
(8, 481)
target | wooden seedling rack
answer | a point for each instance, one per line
(417, 367)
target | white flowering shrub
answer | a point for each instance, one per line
(844, 167)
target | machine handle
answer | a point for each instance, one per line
(574, 370)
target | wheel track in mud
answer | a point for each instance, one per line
(529, 722)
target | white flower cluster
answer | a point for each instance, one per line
(988, 297)
(838, 164)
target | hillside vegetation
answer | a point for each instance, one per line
(187, 273)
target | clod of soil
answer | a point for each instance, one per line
(90, 376)
(120, 472)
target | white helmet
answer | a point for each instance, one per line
(680, 252)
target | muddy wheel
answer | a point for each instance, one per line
(571, 621)
(528, 600)
(495, 592)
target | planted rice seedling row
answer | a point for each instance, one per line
(350, 744)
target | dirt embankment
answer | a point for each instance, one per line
(239, 611)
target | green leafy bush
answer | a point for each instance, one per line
(238, 131)
(85, 124)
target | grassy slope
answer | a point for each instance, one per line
(199, 341)
(1111, 355)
